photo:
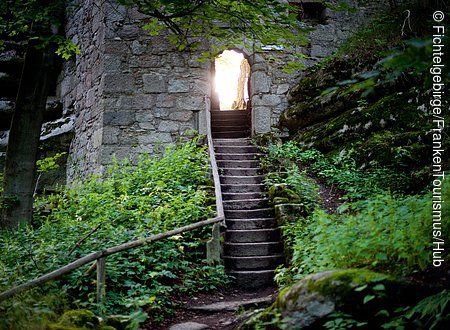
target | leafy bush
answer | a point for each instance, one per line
(299, 183)
(338, 170)
(383, 233)
(432, 312)
(127, 203)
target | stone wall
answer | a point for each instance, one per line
(152, 92)
(133, 93)
(82, 85)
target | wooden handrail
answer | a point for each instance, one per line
(103, 254)
(212, 156)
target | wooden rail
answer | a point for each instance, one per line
(214, 246)
(212, 159)
(99, 257)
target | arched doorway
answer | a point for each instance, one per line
(231, 89)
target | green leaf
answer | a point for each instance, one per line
(368, 298)
(379, 287)
(361, 288)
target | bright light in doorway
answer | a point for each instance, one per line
(228, 68)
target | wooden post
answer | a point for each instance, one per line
(101, 278)
(214, 247)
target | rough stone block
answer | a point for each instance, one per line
(160, 113)
(152, 61)
(283, 89)
(181, 116)
(190, 103)
(154, 83)
(261, 119)
(117, 47)
(168, 126)
(112, 64)
(178, 86)
(165, 100)
(261, 82)
(129, 31)
(110, 134)
(155, 137)
(321, 51)
(137, 48)
(266, 100)
(119, 83)
(121, 118)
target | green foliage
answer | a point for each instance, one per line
(66, 48)
(339, 170)
(49, 163)
(33, 309)
(342, 321)
(79, 318)
(244, 24)
(298, 182)
(432, 312)
(36, 19)
(383, 233)
(127, 203)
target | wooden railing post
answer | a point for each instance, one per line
(214, 246)
(101, 279)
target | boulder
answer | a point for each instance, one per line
(362, 295)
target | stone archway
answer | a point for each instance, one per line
(231, 90)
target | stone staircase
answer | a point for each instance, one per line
(253, 247)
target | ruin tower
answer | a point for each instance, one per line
(132, 93)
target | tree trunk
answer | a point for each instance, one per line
(24, 134)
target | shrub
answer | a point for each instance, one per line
(127, 203)
(384, 233)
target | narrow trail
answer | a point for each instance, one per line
(225, 311)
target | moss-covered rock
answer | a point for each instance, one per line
(80, 318)
(56, 326)
(281, 193)
(117, 322)
(360, 293)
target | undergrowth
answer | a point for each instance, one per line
(339, 171)
(127, 203)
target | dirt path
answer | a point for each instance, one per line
(223, 311)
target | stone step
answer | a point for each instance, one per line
(249, 224)
(236, 149)
(233, 179)
(216, 114)
(229, 135)
(245, 204)
(249, 214)
(226, 121)
(253, 263)
(238, 163)
(238, 126)
(232, 142)
(242, 188)
(233, 306)
(240, 171)
(232, 249)
(250, 279)
(241, 156)
(253, 236)
(240, 196)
